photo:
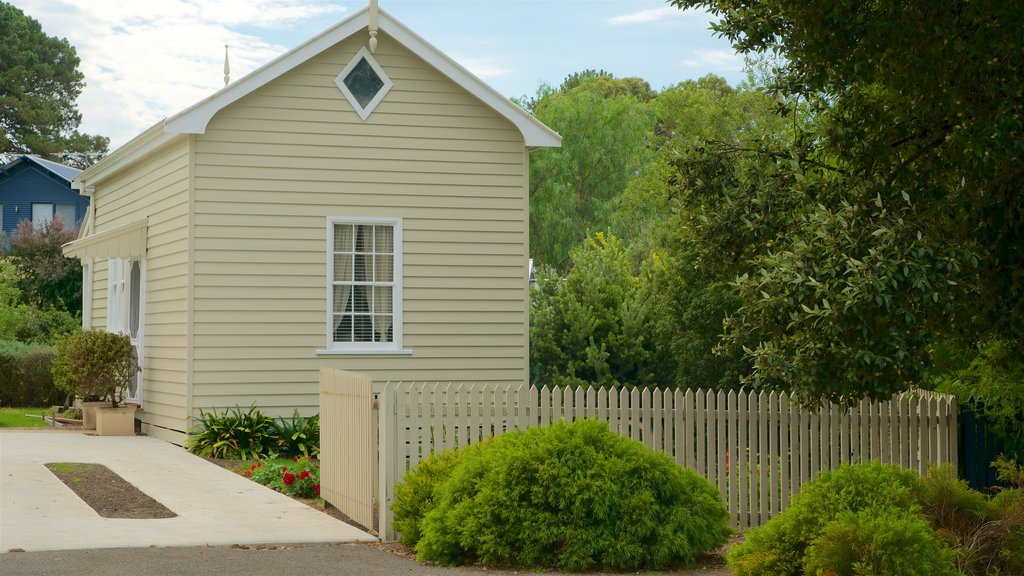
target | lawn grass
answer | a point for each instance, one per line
(22, 417)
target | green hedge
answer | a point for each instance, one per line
(25, 378)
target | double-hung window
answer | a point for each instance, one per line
(364, 269)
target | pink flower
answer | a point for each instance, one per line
(288, 479)
(304, 475)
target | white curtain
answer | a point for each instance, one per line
(344, 246)
(384, 258)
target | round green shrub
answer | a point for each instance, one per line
(414, 497)
(573, 497)
(780, 547)
(879, 540)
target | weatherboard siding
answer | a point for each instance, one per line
(272, 167)
(155, 188)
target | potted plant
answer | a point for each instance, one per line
(98, 366)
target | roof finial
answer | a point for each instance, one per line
(227, 69)
(373, 26)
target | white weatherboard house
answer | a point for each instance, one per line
(359, 204)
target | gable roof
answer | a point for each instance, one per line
(194, 119)
(65, 173)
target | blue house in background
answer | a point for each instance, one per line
(32, 188)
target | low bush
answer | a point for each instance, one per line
(25, 378)
(415, 496)
(234, 434)
(879, 540)
(297, 435)
(574, 497)
(779, 547)
(298, 477)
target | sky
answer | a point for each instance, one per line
(145, 60)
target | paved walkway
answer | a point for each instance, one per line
(215, 507)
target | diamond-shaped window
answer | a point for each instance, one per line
(363, 83)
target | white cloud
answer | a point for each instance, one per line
(144, 61)
(715, 59)
(484, 68)
(656, 15)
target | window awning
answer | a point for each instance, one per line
(127, 241)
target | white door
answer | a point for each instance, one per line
(126, 312)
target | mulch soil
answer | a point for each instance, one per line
(107, 493)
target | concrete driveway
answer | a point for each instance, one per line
(214, 506)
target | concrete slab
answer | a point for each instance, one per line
(214, 506)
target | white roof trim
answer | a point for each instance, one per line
(193, 120)
(127, 241)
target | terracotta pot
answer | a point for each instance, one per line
(119, 421)
(89, 413)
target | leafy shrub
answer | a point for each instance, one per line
(95, 364)
(879, 540)
(779, 547)
(572, 496)
(25, 378)
(233, 434)
(415, 496)
(299, 477)
(298, 435)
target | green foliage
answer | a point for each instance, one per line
(599, 324)
(574, 189)
(877, 542)
(779, 547)
(95, 364)
(901, 222)
(39, 83)
(416, 495)
(298, 435)
(29, 322)
(25, 378)
(991, 381)
(48, 279)
(298, 477)
(575, 497)
(234, 434)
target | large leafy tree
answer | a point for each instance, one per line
(903, 215)
(39, 84)
(574, 190)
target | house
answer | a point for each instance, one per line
(33, 188)
(361, 202)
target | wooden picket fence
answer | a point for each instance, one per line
(757, 448)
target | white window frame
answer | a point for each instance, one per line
(397, 332)
(364, 113)
(117, 295)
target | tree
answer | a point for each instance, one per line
(574, 190)
(39, 84)
(905, 213)
(599, 324)
(48, 278)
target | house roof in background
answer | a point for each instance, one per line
(66, 173)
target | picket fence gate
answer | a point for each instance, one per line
(757, 448)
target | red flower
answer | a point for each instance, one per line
(316, 488)
(248, 473)
(288, 479)
(304, 475)
(284, 468)
(296, 458)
